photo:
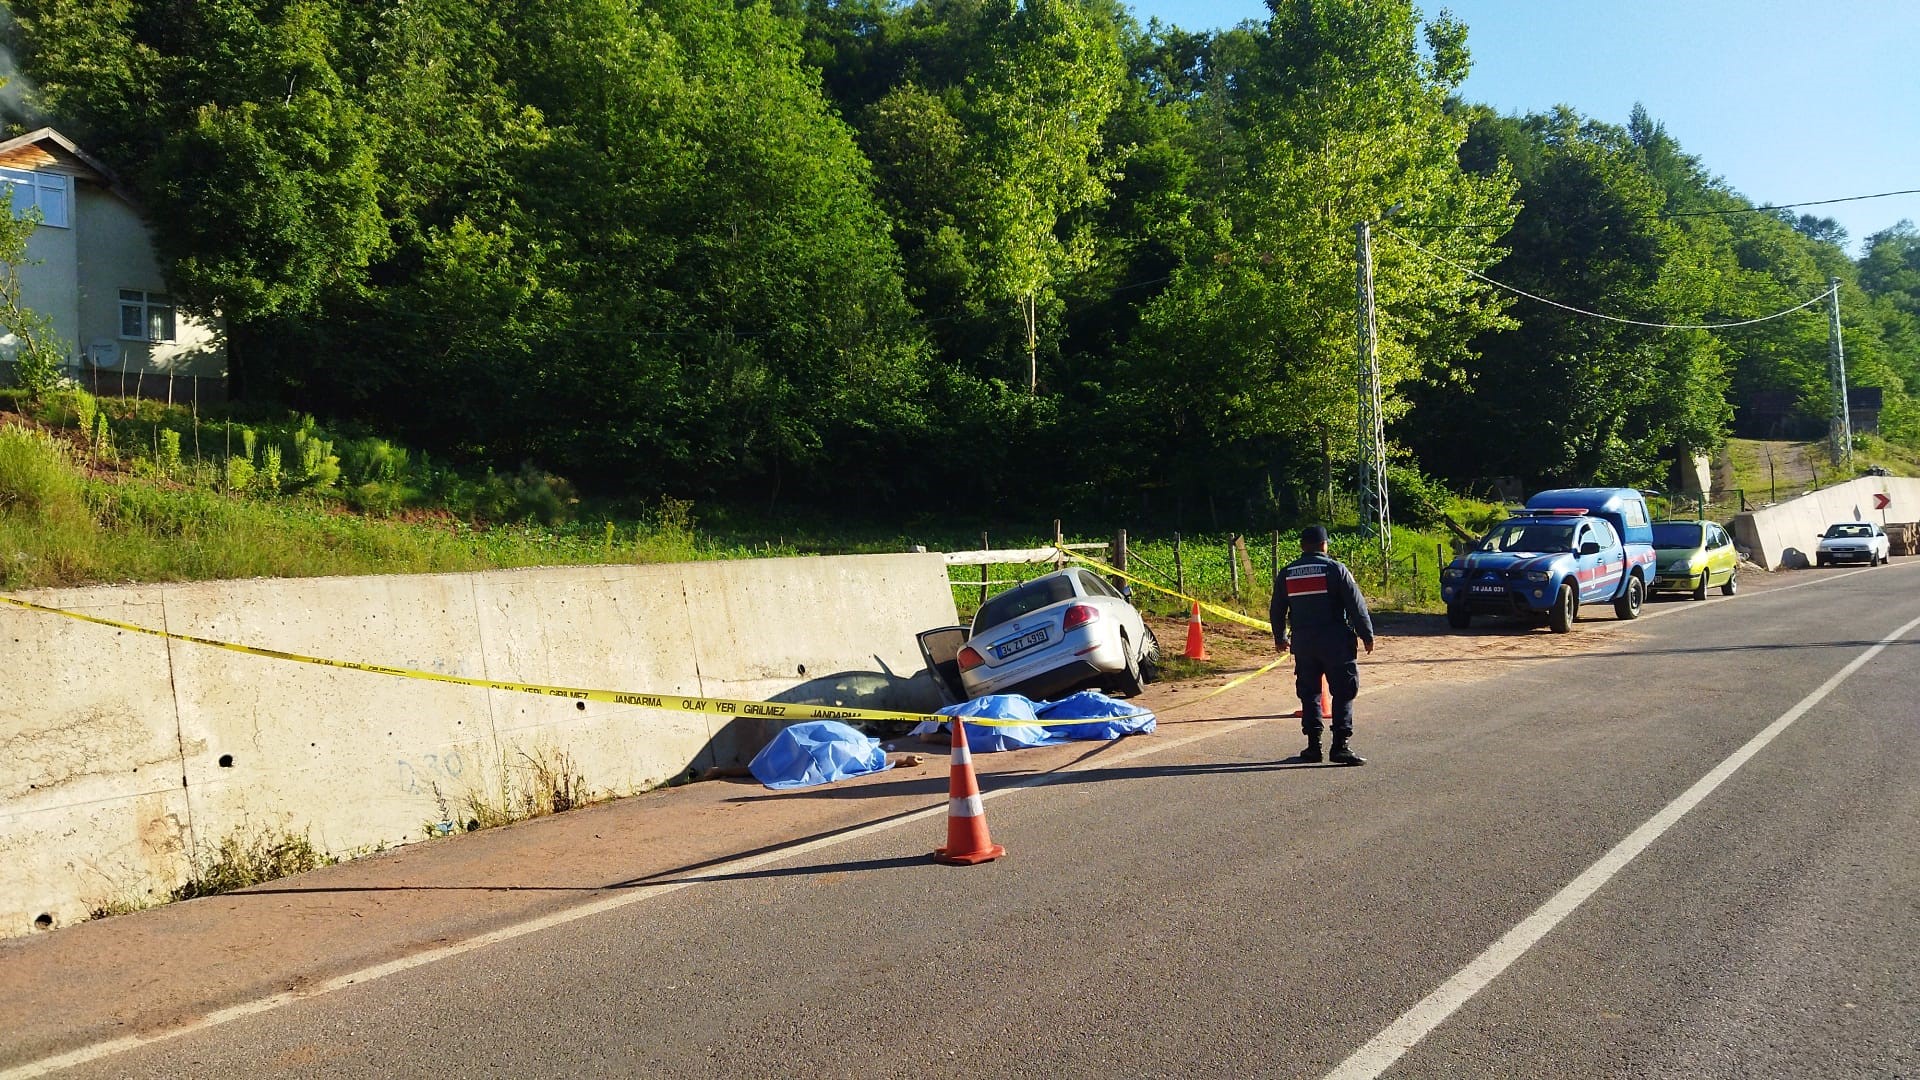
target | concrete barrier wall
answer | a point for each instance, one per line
(1785, 534)
(124, 757)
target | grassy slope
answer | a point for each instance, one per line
(72, 515)
(1798, 467)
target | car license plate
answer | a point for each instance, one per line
(1021, 644)
(1489, 588)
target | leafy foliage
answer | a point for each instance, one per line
(965, 254)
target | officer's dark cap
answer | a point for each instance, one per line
(1313, 536)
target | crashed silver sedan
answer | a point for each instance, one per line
(1068, 630)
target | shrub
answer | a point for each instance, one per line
(373, 460)
(68, 407)
(239, 473)
(38, 476)
(1415, 499)
(247, 857)
(169, 452)
(270, 477)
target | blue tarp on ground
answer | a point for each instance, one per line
(817, 752)
(1105, 719)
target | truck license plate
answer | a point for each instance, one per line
(1489, 588)
(1021, 644)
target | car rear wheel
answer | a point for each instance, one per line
(1459, 617)
(1628, 606)
(1129, 682)
(1733, 584)
(1566, 608)
(1150, 658)
(1701, 592)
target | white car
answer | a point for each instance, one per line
(1853, 541)
(1065, 631)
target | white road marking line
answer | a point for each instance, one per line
(639, 894)
(1417, 1023)
(1679, 608)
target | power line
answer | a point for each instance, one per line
(1789, 206)
(1470, 271)
(1769, 208)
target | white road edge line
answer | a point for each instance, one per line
(1681, 608)
(640, 894)
(1380, 1052)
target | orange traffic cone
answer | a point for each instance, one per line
(967, 839)
(1196, 644)
(1326, 702)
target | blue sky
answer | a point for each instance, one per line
(1787, 100)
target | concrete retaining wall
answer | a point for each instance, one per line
(123, 757)
(1786, 533)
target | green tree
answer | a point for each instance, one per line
(1246, 364)
(1039, 111)
(37, 360)
(1578, 397)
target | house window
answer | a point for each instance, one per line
(49, 193)
(145, 316)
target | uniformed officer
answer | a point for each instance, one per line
(1330, 620)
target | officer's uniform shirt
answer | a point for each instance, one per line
(1319, 598)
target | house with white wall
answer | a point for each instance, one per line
(91, 270)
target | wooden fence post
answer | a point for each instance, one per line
(1059, 553)
(983, 570)
(1276, 554)
(1120, 550)
(1179, 569)
(1233, 565)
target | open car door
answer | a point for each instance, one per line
(940, 647)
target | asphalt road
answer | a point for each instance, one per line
(1208, 909)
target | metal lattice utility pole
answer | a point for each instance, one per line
(1842, 433)
(1374, 513)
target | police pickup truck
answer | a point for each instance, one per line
(1570, 546)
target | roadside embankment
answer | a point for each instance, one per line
(131, 756)
(1785, 534)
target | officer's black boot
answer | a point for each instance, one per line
(1312, 752)
(1342, 754)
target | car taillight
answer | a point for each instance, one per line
(1079, 615)
(969, 659)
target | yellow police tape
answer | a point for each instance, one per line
(1225, 613)
(682, 703)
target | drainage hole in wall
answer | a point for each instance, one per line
(44, 922)
(581, 705)
(226, 761)
(803, 669)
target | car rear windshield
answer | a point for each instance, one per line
(1676, 534)
(1850, 530)
(1014, 603)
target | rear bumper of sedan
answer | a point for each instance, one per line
(1079, 659)
(1047, 685)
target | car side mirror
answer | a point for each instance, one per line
(1591, 547)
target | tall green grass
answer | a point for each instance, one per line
(1410, 582)
(64, 523)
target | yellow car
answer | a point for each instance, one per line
(1693, 556)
